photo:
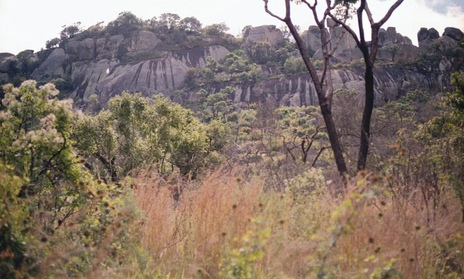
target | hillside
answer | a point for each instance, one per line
(165, 149)
(154, 58)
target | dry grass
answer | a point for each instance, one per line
(226, 222)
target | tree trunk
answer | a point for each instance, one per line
(324, 103)
(367, 116)
(334, 140)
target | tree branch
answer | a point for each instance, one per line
(390, 12)
(274, 15)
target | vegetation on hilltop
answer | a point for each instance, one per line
(174, 32)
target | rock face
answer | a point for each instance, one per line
(266, 33)
(5, 61)
(391, 43)
(110, 65)
(298, 90)
(110, 47)
(427, 36)
(107, 48)
(429, 39)
(454, 33)
(52, 67)
(108, 77)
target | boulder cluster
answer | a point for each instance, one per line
(135, 63)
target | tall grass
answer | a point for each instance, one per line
(228, 227)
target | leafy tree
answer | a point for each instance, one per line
(260, 52)
(215, 30)
(447, 131)
(235, 67)
(52, 43)
(294, 65)
(393, 50)
(36, 140)
(190, 24)
(169, 20)
(44, 186)
(125, 24)
(70, 31)
(246, 30)
(27, 63)
(220, 102)
(13, 219)
(429, 60)
(135, 131)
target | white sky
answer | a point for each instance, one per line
(28, 24)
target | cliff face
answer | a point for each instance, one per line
(165, 74)
(140, 63)
(298, 90)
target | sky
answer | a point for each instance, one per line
(28, 24)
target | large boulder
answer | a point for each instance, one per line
(265, 33)
(429, 39)
(80, 50)
(52, 67)
(346, 51)
(391, 37)
(107, 48)
(453, 33)
(145, 40)
(427, 36)
(108, 77)
(196, 57)
(312, 38)
(5, 61)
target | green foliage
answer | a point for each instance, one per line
(35, 142)
(235, 67)
(22, 67)
(243, 263)
(136, 131)
(215, 30)
(64, 85)
(260, 52)
(52, 43)
(13, 221)
(294, 65)
(438, 59)
(36, 139)
(297, 121)
(124, 24)
(70, 31)
(50, 202)
(443, 136)
(191, 25)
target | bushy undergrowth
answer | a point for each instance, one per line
(70, 210)
(230, 227)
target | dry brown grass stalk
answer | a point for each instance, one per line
(365, 234)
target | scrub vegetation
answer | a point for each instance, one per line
(147, 188)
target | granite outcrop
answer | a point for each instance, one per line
(139, 63)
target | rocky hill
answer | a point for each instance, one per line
(143, 61)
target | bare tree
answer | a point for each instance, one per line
(338, 10)
(323, 81)
(369, 52)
